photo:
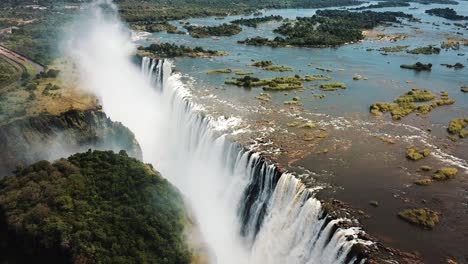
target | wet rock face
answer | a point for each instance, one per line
(49, 137)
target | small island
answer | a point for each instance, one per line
(254, 22)
(327, 28)
(405, 104)
(168, 50)
(447, 13)
(269, 66)
(224, 30)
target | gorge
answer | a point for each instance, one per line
(247, 211)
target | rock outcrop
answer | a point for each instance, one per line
(47, 137)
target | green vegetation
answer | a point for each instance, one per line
(457, 65)
(383, 5)
(423, 182)
(405, 104)
(273, 84)
(269, 66)
(92, 207)
(332, 86)
(169, 50)
(445, 173)
(425, 168)
(458, 126)
(217, 71)
(326, 28)
(224, 30)
(418, 66)
(308, 125)
(317, 77)
(263, 97)
(8, 72)
(447, 13)
(294, 101)
(414, 153)
(227, 70)
(415, 95)
(422, 217)
(158, 27)
(150, 11)
(425, 50)
(37, 32)
(393, 49)
(254, 22)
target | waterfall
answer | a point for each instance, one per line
(248, 212)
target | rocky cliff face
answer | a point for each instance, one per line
(48, 137)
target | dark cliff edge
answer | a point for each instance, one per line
(48, 137)
(93, 207)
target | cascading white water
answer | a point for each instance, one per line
(247, 211)
(275, 215)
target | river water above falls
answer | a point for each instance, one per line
(246, 210)
(357, 161)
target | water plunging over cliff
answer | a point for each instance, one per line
(247, 210)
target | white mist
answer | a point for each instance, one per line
(211, 172)
(99, 44)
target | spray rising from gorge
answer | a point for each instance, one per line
(246, 210)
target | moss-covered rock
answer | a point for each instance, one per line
(308, 125)
(263, 97)
(445, 173)
(458, 126)
(425, 168)
(218, 71)
(405, 104)
(414, 153)
(316, 77)
(418, 66)
(357, 77)
(423, 182)
(423, 217)
(425, 50)
(393, 49)
(332, 86)
(294, 101)
(269, 66)
(415, 95)
(273, 84)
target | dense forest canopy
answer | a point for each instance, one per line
(92, 207)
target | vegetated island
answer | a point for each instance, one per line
(149, 26)
(326, 28)
(275, 84)
(458, 126)
(92, 207)
(406, 103)
(169, 50)
(447, 13)
(383, 5)
(269, 66)
(418, 66)
(254, 22)
(224, 30)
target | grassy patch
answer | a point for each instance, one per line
(332, 86)
(423, 217)
(458, 126)
(445, 173)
